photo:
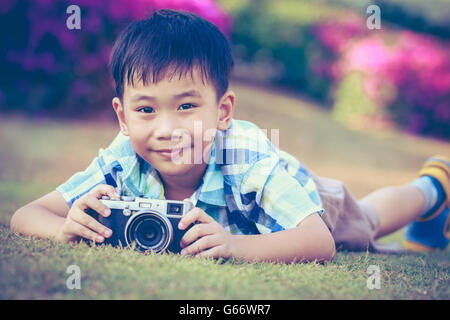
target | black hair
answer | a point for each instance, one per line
(174, 41)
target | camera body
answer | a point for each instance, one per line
(152, 224)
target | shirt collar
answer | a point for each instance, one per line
(211, 190)
(142, 179)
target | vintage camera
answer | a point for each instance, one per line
(151, 224)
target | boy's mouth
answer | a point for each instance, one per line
(169, 153)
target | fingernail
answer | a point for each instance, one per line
(180, 226)
(107, 232)
(100, 239)
(107, 212)
(183, 252)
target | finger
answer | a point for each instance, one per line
(214, 252)
(195, 215)
(196, 232)
(82, 231)
(202, 244)
(88, 201)
(97, 205)
(103, 190)
(82, 218)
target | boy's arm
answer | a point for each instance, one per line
(310, 240)
(51, 217)
(288, 220)
(45, 216)
(42, 217)
(55, 215)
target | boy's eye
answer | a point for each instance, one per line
(145, 109)
(186, 106)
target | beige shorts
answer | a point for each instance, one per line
(353, 223)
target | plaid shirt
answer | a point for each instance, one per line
(249, 186)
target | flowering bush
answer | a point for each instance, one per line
(369, 77)
(48, 68)
(386, 77)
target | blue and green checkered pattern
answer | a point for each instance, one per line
(249, 186)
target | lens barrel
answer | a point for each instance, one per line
(149, 230)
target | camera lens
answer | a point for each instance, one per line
(149, 230)
(149, 233)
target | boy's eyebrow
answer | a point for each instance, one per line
(189, 93)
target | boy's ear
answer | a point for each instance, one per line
(118, 108)
(226, 109)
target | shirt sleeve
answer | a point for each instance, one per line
(82, 182)
(283, 195)
(102, 170)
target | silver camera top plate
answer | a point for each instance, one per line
(131, 203)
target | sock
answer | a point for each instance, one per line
(433, 192)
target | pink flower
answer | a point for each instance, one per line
(336, 34)
(401, 68)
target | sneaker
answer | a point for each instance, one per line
(432, 230)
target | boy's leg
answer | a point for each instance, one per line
(355, 224)
(396, 206)
(421, 205)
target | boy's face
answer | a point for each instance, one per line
(172, 123)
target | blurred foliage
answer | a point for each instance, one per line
(431, 17)
(273, 41)
(369, 77)
(322, 48)
(48, 69)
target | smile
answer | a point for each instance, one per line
(169, 153)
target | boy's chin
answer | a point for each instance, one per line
(173, 169)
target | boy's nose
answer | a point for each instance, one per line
(165, 127)
(168, 129)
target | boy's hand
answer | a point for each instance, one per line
(79, 224)
(207, 238)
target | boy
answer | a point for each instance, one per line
(179, 141)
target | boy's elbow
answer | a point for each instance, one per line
(18, 219)
(328, 243)
(13, 223)
(326, 249)
(330, 249)
(322, 247)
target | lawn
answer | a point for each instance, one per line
(36, 156)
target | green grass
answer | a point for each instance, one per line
(35, 157)
(36, 269)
